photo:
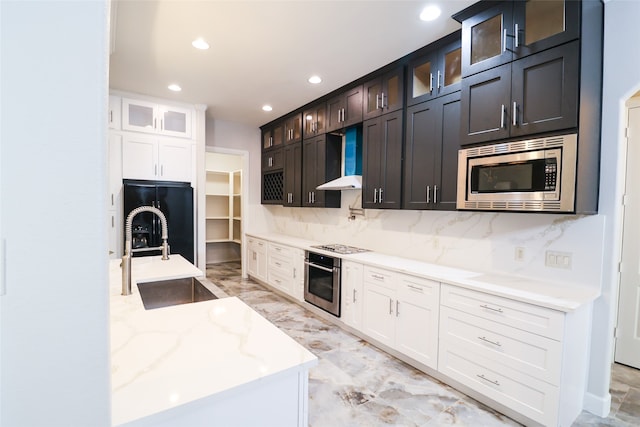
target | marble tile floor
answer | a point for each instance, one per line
(356, 384)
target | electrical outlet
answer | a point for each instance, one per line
(519, 254)
(557, 259)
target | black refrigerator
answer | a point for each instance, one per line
(175, 200)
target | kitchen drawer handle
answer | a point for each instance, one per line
(390, 306)
(482, 377)
(354, 296)
(496, 343)
(497, 310)
(378, 277)
(278, 264)
(397, 308)
(416, 288)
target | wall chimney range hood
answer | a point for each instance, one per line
(352, 156)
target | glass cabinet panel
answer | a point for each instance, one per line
(174, 121)
(486, 39)
(394, 86)
(422, 83)
(453, 67)
(543, 19)
(140, 115)
(373, 97)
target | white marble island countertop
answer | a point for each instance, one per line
(169, 358)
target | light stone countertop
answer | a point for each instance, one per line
(557, 296)
(168, 357)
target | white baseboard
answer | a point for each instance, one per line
(597, 405)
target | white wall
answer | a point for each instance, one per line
(55, 341)
(621, 81)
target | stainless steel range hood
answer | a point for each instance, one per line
(352, 163)
(347, 182)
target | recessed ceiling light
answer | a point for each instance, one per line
(315, 80)
(430, 13)
(200, 44)
(267, 108)
(174, 87)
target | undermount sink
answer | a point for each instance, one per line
(164, 293)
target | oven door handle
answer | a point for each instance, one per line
(321, 267)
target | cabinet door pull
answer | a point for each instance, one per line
(111, 116)
(161, 124)
(515, 114)
(515, 35)
(154, 123)
(113, 221)
(504, 40)
(294, 272)
(313, 197)
(416, 288)
(377, 277)
(155, 169)
(390, 306)
(397, 308)
(428, 194)
(502, 112)
(482, 377)
(435, 194)
(375, 195)
(354, 296)
(377, 102)
(343, 115)
(380, 196)
(497, 310)
(438, 81)
(430, 82)
(161, 170)
(496, 343)
(382, 97)
(111, 199)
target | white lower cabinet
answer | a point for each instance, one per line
(507, 350)
(352, 297)
(285, 269)
(257, 258)
(401, 311)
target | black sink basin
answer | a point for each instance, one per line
(164, 293)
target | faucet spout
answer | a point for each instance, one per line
(126, 257)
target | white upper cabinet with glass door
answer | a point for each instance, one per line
(144, 116)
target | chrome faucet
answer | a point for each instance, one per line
(126, 257)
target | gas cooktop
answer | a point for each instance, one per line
(340, 249)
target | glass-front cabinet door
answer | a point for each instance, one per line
(512, 30)
(435, 73)
(542, 24)
(149, 117)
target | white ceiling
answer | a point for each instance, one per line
(262, 51)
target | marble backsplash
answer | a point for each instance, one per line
(479, 241)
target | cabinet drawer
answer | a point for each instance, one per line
(282, 250)
(527, 353)
(538, 320)
(531, 397)
(280, 281)
(421, 292)
(257, 245)
(281, 265)
(381, 277)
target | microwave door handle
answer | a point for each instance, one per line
(323, 268)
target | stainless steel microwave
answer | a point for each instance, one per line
(531, 175)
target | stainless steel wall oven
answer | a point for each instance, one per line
(322, 281)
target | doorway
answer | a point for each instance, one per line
(627, 343)
(224, 203)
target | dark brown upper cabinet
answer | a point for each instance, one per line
(292, 175)
(273, 137)
(384, 94)
(496, 33)
(293, 128)
(345, 109)
(432, 142)
(272, 160)
(314, 121)
(382, 161)
(536, 94)
(435, 72)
